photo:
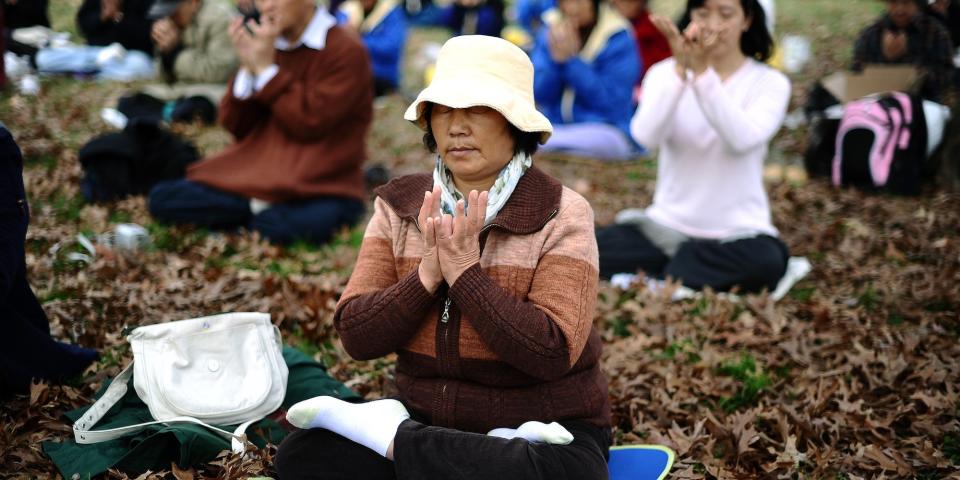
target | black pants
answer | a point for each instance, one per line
(425, 452)
(751, 264)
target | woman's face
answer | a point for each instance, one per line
(726, 18)
(902, 11)
(580, 12)
(474, 143)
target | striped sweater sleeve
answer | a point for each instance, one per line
(378, 313)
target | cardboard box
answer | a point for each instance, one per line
(848, 86)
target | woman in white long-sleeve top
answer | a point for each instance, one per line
(711, 111)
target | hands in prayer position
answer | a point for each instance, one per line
(691, 48)
(564, 41)
(894, 44)
(451, 243)
(165, 35)
(254, 42)
(111, 10)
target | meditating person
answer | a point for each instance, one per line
(711, 111)
(472, 17)
(904, 34)
(118, 42)
(192, 42)
(383, 26)
(652, 46)
(948, 13)
(300, 108)
(481, 276)
(26, 349)
(22, 14)
(586, 66)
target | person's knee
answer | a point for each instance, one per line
(768, 266)
(158, 200)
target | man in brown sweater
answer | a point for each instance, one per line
(300, 108)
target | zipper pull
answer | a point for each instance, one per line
(446, 311)
(22, 203)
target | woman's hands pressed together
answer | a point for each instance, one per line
(691, 48)
(452, 243)
(429, 270)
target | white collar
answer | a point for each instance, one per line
(315, 35)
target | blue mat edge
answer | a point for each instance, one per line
(670, 455)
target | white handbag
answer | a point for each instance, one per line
(222, 369)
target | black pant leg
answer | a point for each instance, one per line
(625, 249)
(425, 452)
(751, 264)
(320, 454)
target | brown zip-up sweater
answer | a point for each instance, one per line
(515, 342)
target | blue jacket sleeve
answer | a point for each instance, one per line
(548, 75)
(608, 82)
(385, 43)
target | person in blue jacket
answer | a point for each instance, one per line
(383, 26)
(586, 64)
(26, 349)
(473, 17)
(529, 13)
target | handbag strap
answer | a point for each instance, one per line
(83, 434)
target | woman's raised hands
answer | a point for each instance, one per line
(690, 48)
(458, 236)
(429, 270)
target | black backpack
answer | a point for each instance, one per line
(130, 162)
(882, 144)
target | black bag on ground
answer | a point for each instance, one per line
(882, 144)
(130, 162)
(822, 136)
(184, 109)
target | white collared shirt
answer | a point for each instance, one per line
(314, 36)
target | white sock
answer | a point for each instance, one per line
(372, 424)
(536, 432)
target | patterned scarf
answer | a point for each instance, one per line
(500, 192)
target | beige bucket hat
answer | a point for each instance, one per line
(475, 70)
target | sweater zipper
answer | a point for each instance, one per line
(445, 316)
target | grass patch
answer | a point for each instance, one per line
(951, 447)
(803, 294)
(869, 298)
(684, 349)
(753, 381)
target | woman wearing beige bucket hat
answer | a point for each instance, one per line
(481, 277)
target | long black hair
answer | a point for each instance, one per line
(756, 42)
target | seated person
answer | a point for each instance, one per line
(473, 17)
(26, 349)
(711, 111)
(192, 40)
(300, 108)
(492, 344)
(383, 26)
(118, 42)
(905, 35)
(587, 64)
(529, 14)
(22, 14)
(948, 12)
(651, 44)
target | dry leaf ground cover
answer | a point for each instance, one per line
(854, 375)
